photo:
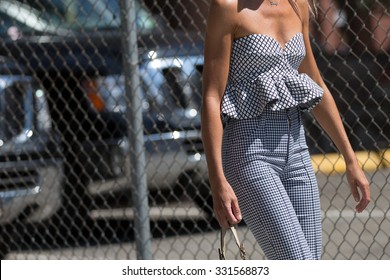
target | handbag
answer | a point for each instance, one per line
(240, 245)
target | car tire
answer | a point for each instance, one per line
(197, 189)
(4, 244)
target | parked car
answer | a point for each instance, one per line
(360, 86)
(73, 50)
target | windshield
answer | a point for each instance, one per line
(55, 16)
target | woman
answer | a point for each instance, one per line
(259, 75)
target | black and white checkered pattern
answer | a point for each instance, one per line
(262, 73)
(266, 161)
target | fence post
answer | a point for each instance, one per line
(135, 130)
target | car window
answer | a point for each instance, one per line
(35, 17)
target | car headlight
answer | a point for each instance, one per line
(23, 111)
(174, 88)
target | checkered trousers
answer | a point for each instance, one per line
(266, 161)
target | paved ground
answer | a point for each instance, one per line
(347, 235)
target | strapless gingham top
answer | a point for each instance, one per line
(264, 74)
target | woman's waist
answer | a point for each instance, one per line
(291, 113)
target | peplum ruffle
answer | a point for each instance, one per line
(248, 98)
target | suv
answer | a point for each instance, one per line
(73, 50)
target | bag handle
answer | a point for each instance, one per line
(240, 245)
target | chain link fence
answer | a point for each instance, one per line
(100, 148)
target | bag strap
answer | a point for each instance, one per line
(240, 245)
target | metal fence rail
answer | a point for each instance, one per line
(78, 95)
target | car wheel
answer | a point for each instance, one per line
(197, 189)
(73, 224)
(4, 244)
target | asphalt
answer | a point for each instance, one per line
(346, 234)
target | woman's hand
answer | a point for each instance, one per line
(360, 188)
(225, 205)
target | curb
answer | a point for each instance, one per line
(333, 163)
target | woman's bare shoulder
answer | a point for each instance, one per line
(302, 3)
(223, 14)
(304, 7)
(225, 5)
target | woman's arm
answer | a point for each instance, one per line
(219, 36)
(327, 115)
